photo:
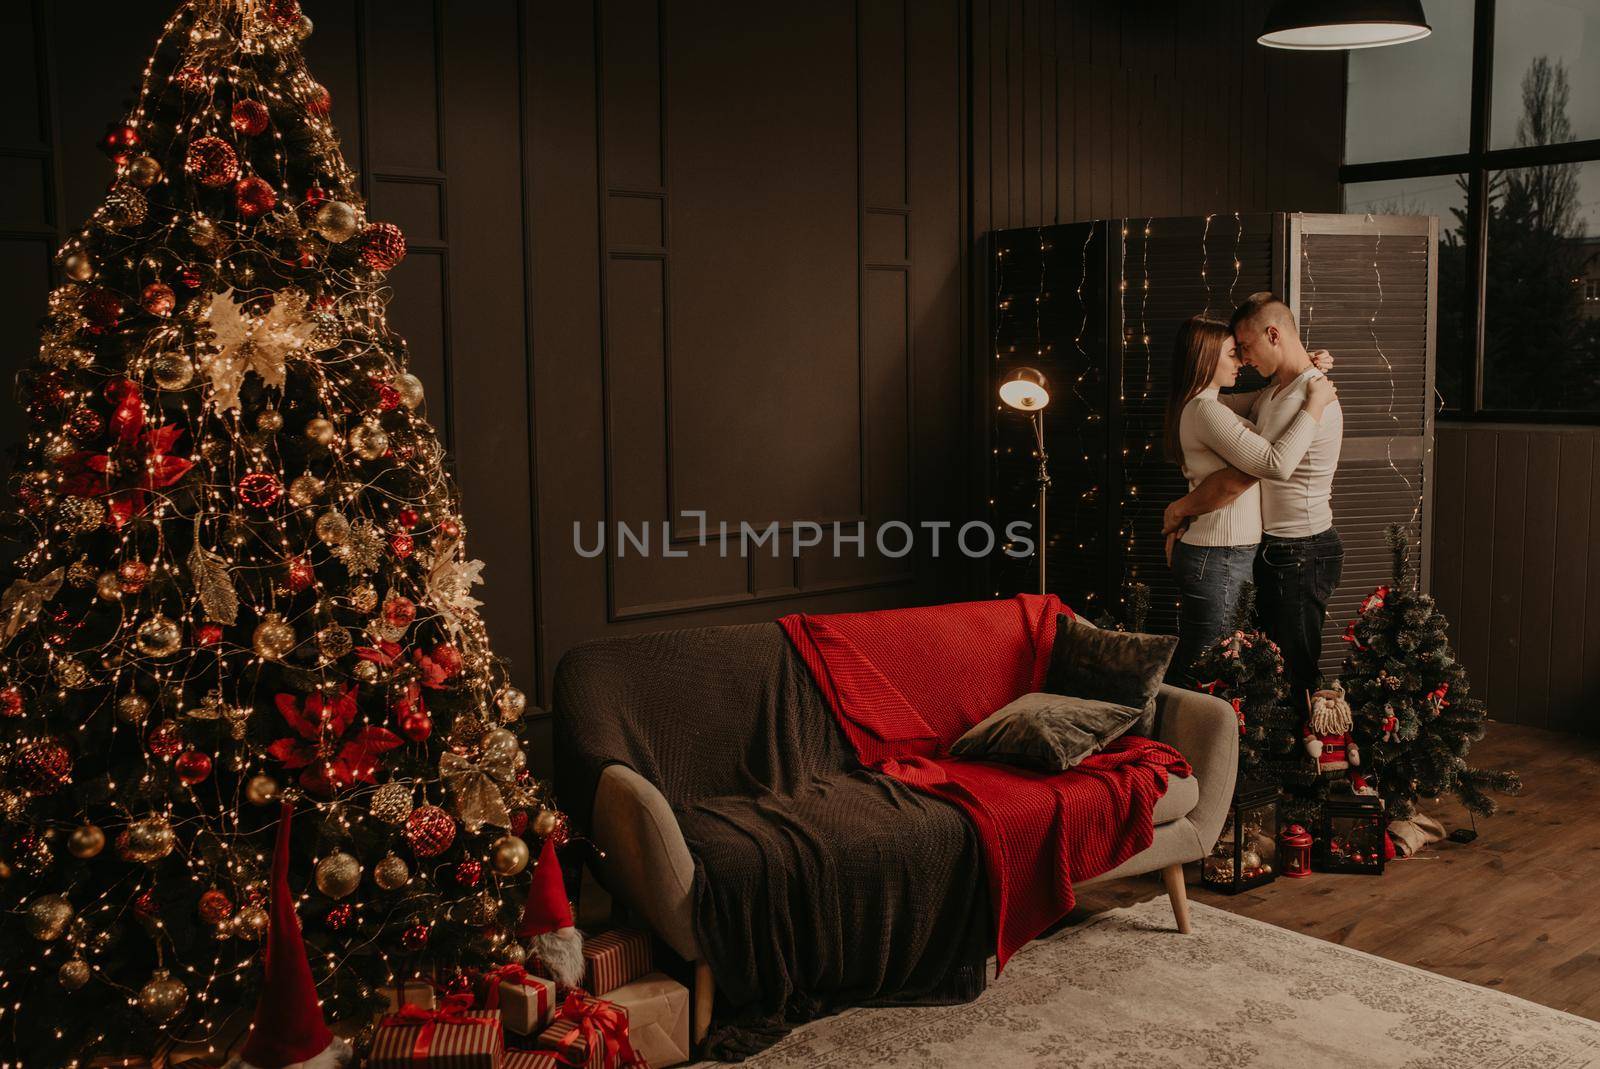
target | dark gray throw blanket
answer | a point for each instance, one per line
(818, 884)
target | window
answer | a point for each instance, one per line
(1493, 125)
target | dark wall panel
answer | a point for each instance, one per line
(1517, 568)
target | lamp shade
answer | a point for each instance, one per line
(1335, 24)
(1025, 389)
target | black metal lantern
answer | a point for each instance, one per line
(1351, 837)
(1245, 853)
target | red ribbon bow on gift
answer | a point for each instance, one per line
(505, 974)
(450, 1011)
(593, 1019)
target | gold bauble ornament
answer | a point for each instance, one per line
(261, 789)
(391, 873)
(410, 389)
(333, 528)
(336, 221)
(144, 171)
(86, 841)
(133, 708)
(70, 672)
(369, 441)
(512, 703)
(509, 855)
(334, 641)
(305, 489)
(512, 952)
(203, 234)
(73, 974)
(364, 598)
(172, 371)
(391, 803)
(78, 265)
(47, 917)
(163, 997)
(544, 822)
(158, 636)
(273, 638)
(251, 921)
(59, 449)
(321, 431)
(108, 587)
(499, 743)
(269, 421)
(80, 515)
(366, 671)
(146, 839)
(338, 874)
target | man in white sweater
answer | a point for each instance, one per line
(1300, 559)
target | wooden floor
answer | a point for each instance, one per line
(1517, 910)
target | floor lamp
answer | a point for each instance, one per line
(1027, 390)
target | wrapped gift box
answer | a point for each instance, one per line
(579, 1051)
(658, 1018)
(531, 1059)
(613, 958)
(527, 1003)
(410, 993)
(450, 1038)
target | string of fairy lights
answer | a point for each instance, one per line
(180, 549)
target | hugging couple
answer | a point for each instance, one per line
(1260, 468)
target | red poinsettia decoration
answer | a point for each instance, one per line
(136, 464)
(327, 759)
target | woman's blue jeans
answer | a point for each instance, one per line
(1210, 579)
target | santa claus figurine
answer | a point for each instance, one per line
(546, 923)
(1327, 732)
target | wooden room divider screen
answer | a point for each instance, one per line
(1095, 306)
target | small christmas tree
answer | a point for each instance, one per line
(241, 576)
(1415, 718)
(1245, 669)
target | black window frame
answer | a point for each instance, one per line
(1477, 163)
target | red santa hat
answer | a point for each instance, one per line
(547, 922)
(288, 1031)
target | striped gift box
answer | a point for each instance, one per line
(593, 1054)
(531, 1059)
(467, 1040)
(614, 958)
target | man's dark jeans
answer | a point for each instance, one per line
(1294, 579)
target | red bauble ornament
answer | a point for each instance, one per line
(254, 197)
(339, 917)
(85, 423)
(212, 162)
(133, 575)
(430, 830)
(320, 102)
(192, 80)
(158, 299)
(215, 907)
(191, 278)
(460, 984)
(165, 739)
(284, 12)
(388, 397)
(450, 528)
(448, 658)
(415, 937)
(102, 308)
(120, 142)
(399, 610)
(250, 117)
(415, 724)
(469, 872)
(300, 575)
(519, 822)
(259, 489)
(44, 767)
(401, 545)
(408, 517)
(12, 704)
(316, 196)
(145, 905)
(208, 634)
(382, 246)
(192, 767)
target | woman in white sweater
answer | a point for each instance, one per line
(1212, 560)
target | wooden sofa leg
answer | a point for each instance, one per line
(1172, 877)
(705, 990)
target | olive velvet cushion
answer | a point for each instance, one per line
(1121, 667)
(1045, 732)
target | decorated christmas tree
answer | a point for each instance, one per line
(240, 577)
(1245, 669)
(1415, 718)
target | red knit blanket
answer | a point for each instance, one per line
(906, 683)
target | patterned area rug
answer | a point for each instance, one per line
(1124, 989)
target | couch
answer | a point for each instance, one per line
(650, 872)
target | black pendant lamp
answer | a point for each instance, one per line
(1324, 25)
